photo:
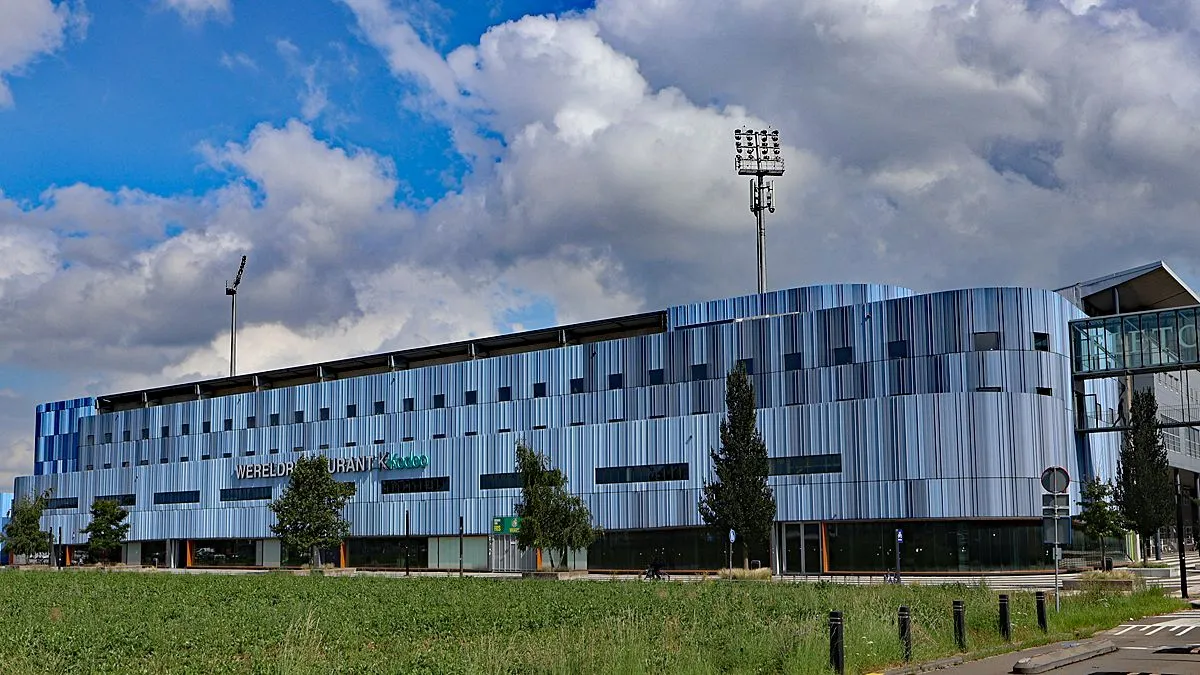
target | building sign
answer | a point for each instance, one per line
(506, 525)
(1151, 340)
(384, 461)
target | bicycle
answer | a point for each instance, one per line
(652, 574)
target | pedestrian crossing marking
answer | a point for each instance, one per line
(1176, 629)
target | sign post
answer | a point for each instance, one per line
(1055, 505)
(899, 540)
(732, 538)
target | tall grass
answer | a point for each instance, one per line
(157, 623)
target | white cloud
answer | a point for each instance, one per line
(199, 10)
(30, 29)
(237, 60)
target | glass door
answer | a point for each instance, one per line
(802, 548)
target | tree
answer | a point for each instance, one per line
(551, 518)
(107, 530)
(309, 512)
(740, 498)
(23, 534)
(1144, 490)
(1099, 518)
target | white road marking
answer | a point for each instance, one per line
(1126, 630)
(1158, 628)
(1185, 630)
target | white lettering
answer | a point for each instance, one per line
(1188, 341)
(241, 471)
(341, 464)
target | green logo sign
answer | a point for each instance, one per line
(393, 461)
(506, 525)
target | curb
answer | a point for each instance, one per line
(923, 667)
(1073, 653)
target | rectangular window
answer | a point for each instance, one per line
(577, 385)
(108, 465)
(898, 349)
(990, 390)
(248, 453)
(539, 426)
(792, 361)
(747, 364)
(251, 422)
(352, 410)
(206, 427)
(125, 435)
(504, 394)
(323, 446)
(987, 341)
(226, 455)
(108, 437)
(380, 408)
(228, 424)
(90, 467)
(407, 485)
(700, 371)
(164, 460)
(1041, 342)
(180, 497)
(1045, 391)
(805, 464)
(645, 473)
(439, 436)
(378, 441)
(323, 414)
(503, 430)
(539, 389)
(246, 494)
(470, 397)
(407, 439)
(274, 419)
(439, 401)
(62, 503)
(655, 377)
(298, 448)
(616, 381)
(843, 356)
(274, 451)
(91, 439)
(203, 457)
(143, 462)
(125, 465)
(185, 429)
(145, 433)
(410, 404)
(499, 481)
(298, 417)
(351, 444)
(471, 433)
(183, 459)
(166, 432)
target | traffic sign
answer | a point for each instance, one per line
(1064, 530)
(732, 536)
(1055, 480)
(899, 536)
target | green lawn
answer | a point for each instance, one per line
(83, 622)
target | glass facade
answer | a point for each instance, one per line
(223, 553)
(388, 552)
(682, 548)
(1144, 340)
(937, 546)
(154, 554)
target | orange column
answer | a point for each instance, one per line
(824, 550)
(68, 556)
(342, 555)
(539, 559)
(189, 552)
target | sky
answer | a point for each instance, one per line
(410, 172)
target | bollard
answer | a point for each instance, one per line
(1005, 624)
(906, 633)
(1041, 610)
(960, 625)
(837, 652)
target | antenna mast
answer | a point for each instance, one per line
(231, 291)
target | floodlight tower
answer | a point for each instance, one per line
(758, 155)
(231, 291)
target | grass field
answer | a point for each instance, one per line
(84, 622)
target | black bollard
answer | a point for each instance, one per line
(1041, 610)
(1005, 624)
(906, 633)
(960, 625)
(837, 648)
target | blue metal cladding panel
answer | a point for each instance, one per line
(789, 301)
(56, 437)
(917, 435)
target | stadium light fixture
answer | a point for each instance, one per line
(758, 154)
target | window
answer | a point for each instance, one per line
(351, 444)
(378, 441)
(990, 390)
(298, 448)
(274, 419)
(245, 494)
(323, 446)
(181, 497)
(1041, 342)
(988, 341)
(163, 460)
(323, 414)
(504, 394)
(352, 410)
(298, 417)
(439, 436)
(792, 361)
(471, 433)
(539, 389)
(203, 457)
(125, 435)
(406, 439)
(121, 500)
(898, 349)
(108, 465)
(91, 439)
(166, 432)
(406, 485)
(748, 364)
(655, 377)
(248, 453)
(226, 455)
(410, 404)
(470, 397)
(499, 481)
(843, 356)
(645, 473)
(439, 401)
(251, 422)
(228, 424)
(274, 451)
(577, 385)
(206, 427)
(90, 467)
(806, 464)
(503, 430)
(125, 465)
(62, 503)
(145, 433)
(616, 381)
(1045, 391)
(185, 429)
(700, 371)
(183, 459)
(143, 462)
(380, 408)
(539, 426)
(108, 437)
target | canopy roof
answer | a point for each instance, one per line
(1152, 286)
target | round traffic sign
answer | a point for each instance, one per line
(732, 536)
(1055, 480)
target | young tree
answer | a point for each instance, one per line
(23, 534)
(1099, 518)
(309, 512)
(1144, 490)
(740, 499)
(107, 529)
(551, 518)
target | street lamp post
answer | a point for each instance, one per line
(759, 155)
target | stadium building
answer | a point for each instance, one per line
(881, 409)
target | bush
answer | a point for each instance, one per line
(1146, 564)
(760, 574)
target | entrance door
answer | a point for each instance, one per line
(802, 548)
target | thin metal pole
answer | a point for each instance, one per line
(897, 555)
(1054, 553)
(233, 336)
(460, 546)
(1183, 586)
(762, 237)
(407, 541)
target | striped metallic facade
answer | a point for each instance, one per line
(56, 434)
(943, 431)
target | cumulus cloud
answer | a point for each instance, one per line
(199, 10)
(30, 29)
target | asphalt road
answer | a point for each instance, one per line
(1164, 645)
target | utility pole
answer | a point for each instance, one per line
(758, 155)
(231, 291)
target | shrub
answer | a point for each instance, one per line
(760, 574)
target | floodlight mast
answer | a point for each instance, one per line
(758, 155)
(231, 291)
